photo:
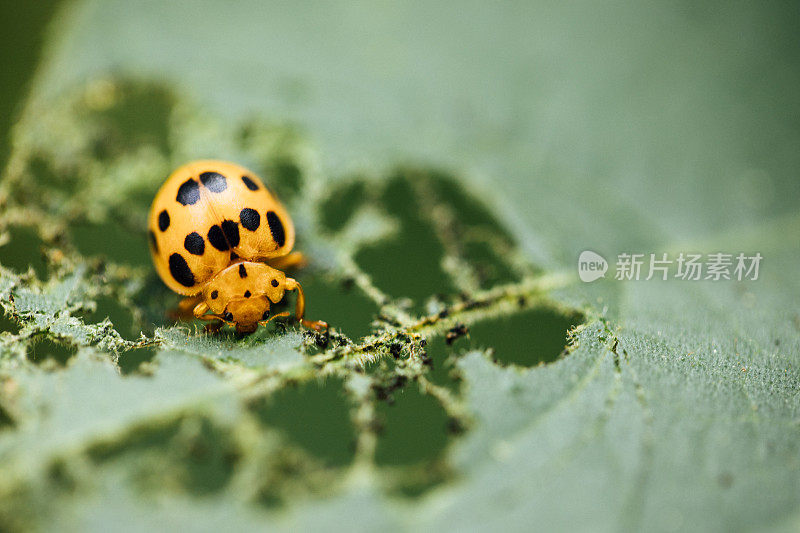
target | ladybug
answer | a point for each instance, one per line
(219, 237)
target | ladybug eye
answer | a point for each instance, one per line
(228, 316)
(265, 315)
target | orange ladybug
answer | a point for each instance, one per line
(219, 237)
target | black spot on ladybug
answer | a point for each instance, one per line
(217, 238)
(153, 241)
(228, 316)
(242, 271)
(234, 256)
(231, 231)
(250, 184)
(247, 294)
(180, 270)
(188, 192)
(214, 181)
(194, 244)
(274, 282)
(250, 218)
(214, 294)
(163, 220)
(276, 228)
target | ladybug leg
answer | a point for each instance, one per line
(213, 327)
(183, 311)
(200, 311)
(273, 317)
(300, 307)
(292, 260)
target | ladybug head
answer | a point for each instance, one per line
(241, 294)
(246, 313)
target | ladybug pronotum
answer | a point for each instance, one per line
(219, 237)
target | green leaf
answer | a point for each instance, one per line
(57, 413)
(444, 166)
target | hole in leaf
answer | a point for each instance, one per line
(342, 306)
(19, 63)
(528, 338)
(113, 241)
(284, 177)
(315, 416)
(22, 250)
(138, 440)
(413, 482)
(343, 201)
(8, 324)
(192, 453)
(44, 348)
(288, 472)
(131, 360)
(46, 177)
(414, 429)
(5, 419)
(120, 316)
(469, 210)
(59, 475)
(476, 235)
(490, 268)
(274, 147)
(210, 458)
(408, 264)
(155, 301)
(131, 114)
(442, 358)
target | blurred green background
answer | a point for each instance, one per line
(24, 28)
(681, 116)
(498, 141)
